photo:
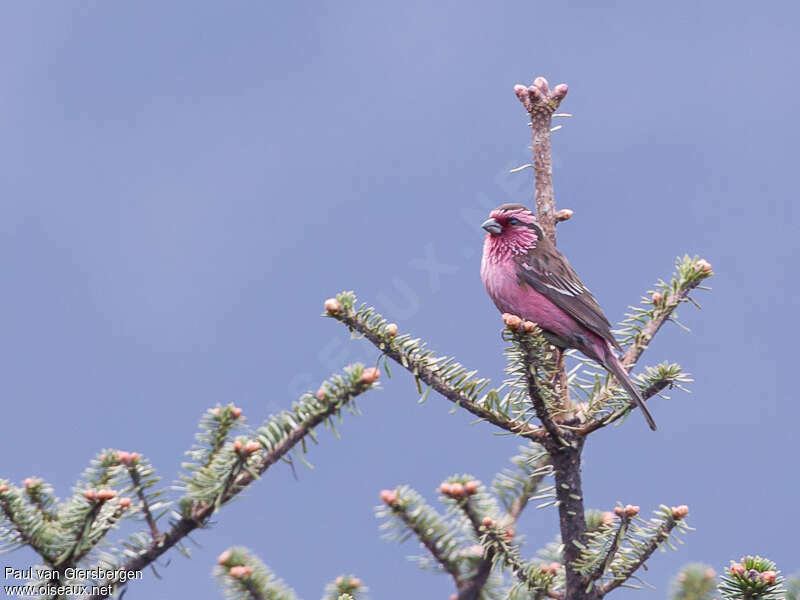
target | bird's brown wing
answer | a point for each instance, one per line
(548, 272)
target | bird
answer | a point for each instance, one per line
(526, 275)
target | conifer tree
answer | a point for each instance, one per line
(553, 410)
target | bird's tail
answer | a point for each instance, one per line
(614, 365)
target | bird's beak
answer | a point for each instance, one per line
(492, 226)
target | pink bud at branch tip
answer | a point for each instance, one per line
(236, 412)
(631, 510)
(124, 502)
(320, 394)
(355, 582)
(769, 576)
(679, 512)
(703, 265)
(656, 298)
(223, 558)
(332, 306)
(370, 375)
(391, 329)
(240, 571)
(565, 214)
(389, 497)
(471, 487)
(3, 488)
(105, 494)
(488, 522)
(456, 490)
(560, 91)
(513, 322)
(736, 569)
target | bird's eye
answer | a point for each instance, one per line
(514, 221)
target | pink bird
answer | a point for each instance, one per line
(527, 276)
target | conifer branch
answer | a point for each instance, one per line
(690, 273)
(613, 405)
(642, 543)
(536, 580)
(243, 576)
(694, 582)
(752, 578)
(277, 438)
(538, 364)
(448, 378)
(516, 487)
(345, 586)
(541, 103)
(407, 510)
(19, 528)
(136, 480)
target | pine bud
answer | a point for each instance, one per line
(105, 494)
(251, 446)
(123, 456)
(710, 573)
(554, 567)
(560, 91)
(513, 322)
(134, 457)
(355, 582)
(488, 522)
(31, 482)
(656, 298)
(339, 580)
(565, 214)
(124, 502)
(90, 495)
(370, 375)
(456, 490)
(679, 512)
(768, 576)
(240, 571)
(445, 488)
(607, 518)
(510, 534)
(3, 488)
(391, 330)
(471, 487)
(737, 569)
(389, 497)
(236, 412)
(223, 558)
(529, 326)
(332, 306)
(703, 265)
(619, 511)
(631, 510)
(320, 394)
(237, 445)
(216, 410)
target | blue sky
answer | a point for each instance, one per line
(183, 184)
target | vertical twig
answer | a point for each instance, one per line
(541, 103)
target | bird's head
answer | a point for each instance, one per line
(512, 228)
